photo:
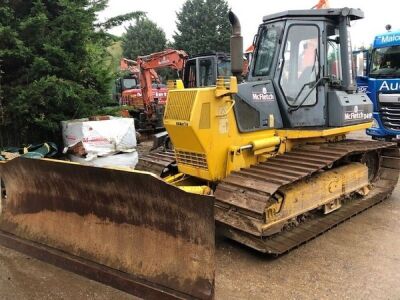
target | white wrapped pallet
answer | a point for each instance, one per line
(109, 142)
(117, 160)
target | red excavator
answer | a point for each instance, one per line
(322, 4)
(199, 71)
(153, 93)
(148, 98)
(128, 87)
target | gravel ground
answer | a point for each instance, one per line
(359, 259)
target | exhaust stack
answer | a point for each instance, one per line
(346, 52)
(236, 47)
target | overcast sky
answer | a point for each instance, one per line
(250, 12)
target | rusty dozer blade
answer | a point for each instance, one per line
(128, 221)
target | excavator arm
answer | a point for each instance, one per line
(130, 65)
(170, 58)
(321, 4)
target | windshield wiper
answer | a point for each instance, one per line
(292, 109)
(312, 83)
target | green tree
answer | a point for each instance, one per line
(203, 26)
(53, 57)
(142, 38)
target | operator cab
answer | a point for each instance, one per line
(202, 70)
(301, 74)
(125, 83)
(129, 83)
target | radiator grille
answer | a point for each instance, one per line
(192, 159)
(390, 113)
(180, 104)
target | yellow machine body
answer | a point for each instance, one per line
(208, 145)
(269, 181)
(203, 130)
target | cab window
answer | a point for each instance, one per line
(207, 76)
(334, 66)
(267, 45)
(189, 77)
(300, 65)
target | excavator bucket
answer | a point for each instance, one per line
(129, 222)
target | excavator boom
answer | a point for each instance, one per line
(170, 58)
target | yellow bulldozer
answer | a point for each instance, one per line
(266, 162)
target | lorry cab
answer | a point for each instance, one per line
(378, 74)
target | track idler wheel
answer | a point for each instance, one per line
(373, 161)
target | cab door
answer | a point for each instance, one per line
(298, 70)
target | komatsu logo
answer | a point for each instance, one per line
(185, 124)
(391, 86)
(356, 114)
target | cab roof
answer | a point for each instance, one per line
(330, 13)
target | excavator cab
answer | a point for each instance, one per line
(122, 84)
(301, 74)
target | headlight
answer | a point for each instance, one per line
(374, 124)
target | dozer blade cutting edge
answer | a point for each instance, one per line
(128, 221)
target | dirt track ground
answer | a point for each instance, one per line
(359, 259)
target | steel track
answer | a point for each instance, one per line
(156, 161)
(242, 197)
